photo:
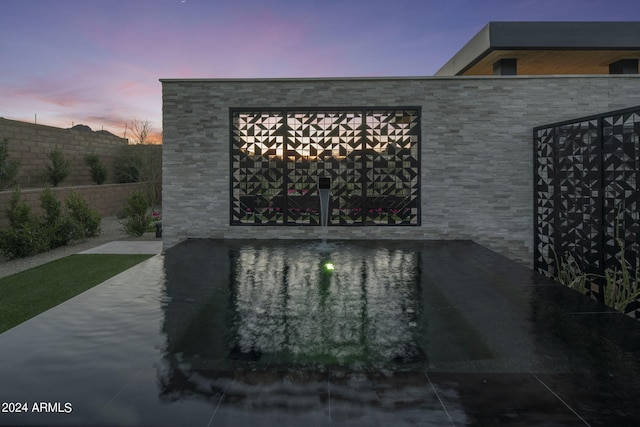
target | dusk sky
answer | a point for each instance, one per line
(98, 62)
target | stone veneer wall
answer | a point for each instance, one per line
(107, 199)
(31, 144)
(477, 153)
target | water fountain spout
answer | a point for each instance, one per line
(324, 189)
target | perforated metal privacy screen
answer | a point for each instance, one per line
(370, 155)
(586, 193)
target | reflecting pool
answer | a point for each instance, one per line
(299, 305)
(252, 333)
(307, 305)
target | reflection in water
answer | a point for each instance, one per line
(243, 319)
(281, 325)
(301, 305)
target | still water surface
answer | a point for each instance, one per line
(215, 329)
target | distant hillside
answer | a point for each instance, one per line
(83, 128)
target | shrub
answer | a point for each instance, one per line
(56, 229)
(19, 212)
(151, 171)
(25, 236)
(8, 168)
(126, 172)
(127, 167)
(59, 169)
(29, 235)
(137, 219)
(51, 206)
(98, 170)
(141, 163)
(84, 221)
(22, 242)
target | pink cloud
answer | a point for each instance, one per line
(61, 97)
(100, 63)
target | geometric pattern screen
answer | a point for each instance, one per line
(371, 156)
(586, 193)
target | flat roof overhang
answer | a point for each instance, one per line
(547, 48)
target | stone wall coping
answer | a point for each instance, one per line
(386, 78)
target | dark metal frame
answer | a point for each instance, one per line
(363, 111)
(586, 179)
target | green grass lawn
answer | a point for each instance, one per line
(29, 293)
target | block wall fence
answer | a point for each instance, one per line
(476, 149)
(107, 199)
(31, 144)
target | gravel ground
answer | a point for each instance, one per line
(111, 230)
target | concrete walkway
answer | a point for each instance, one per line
(111, 232)
(127, 247)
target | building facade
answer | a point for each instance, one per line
(409, 158)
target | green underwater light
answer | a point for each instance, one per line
(328, 266)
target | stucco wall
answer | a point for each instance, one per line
(476, 153)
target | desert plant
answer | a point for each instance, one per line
(137, 218)
(8, 168)
(98, 170)
(85, 222)
(59, 169)
(570, 274)
(621, 288)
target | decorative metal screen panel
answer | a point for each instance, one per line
(258, 167)
(391, 151)
(370, 155)
(577, 172)
(586, 192)
(621, 184)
